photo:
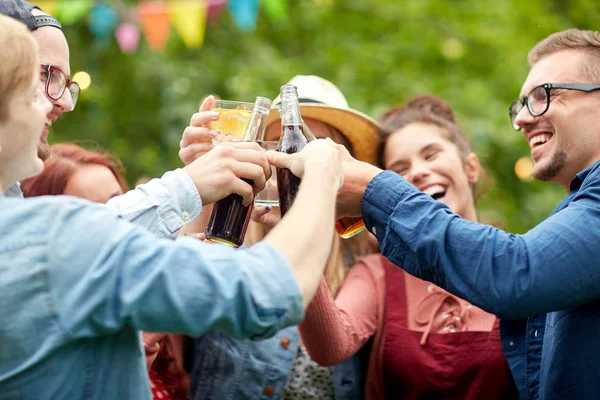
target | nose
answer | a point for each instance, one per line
(418, 172)
(65, 103)
(524, 118)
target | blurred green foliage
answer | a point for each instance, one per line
(379, 52)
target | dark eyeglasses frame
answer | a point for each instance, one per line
(524, 102)
(49, 69)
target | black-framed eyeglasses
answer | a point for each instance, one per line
(538, 100)
(57, 82)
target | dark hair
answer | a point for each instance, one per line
(63, 162)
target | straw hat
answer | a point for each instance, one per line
(322, 100)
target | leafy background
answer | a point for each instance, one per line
(379, 53)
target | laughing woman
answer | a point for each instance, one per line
(427, 343)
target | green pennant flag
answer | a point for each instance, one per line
(276, 10)
(70, 11)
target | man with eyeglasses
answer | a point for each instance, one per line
(163, 205)
(551, 274)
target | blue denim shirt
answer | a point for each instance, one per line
(226, 368)
(553, 268)
(78, 283)
(162, 205)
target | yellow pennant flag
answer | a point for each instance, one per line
(189, 19)
(48, 6)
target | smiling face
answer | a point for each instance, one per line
(54, 50)
(566, 139)
(422, 154)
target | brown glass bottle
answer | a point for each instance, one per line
(229, 219)
(292, 140)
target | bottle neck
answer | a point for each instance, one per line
(290, 106)
(258, 121)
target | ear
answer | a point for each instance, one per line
(472, 168)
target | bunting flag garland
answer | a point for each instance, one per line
(189, 20)
(153, 18)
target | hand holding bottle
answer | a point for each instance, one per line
(320, 154)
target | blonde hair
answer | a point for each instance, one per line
(344, 254)
(571, 39)
(19, 60)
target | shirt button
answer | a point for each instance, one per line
(511, 343)
(535, 333)
(285, 343)
(185, 215)
(374, 230)
(269, 390)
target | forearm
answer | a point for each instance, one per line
(550, 268)
(304, 236)
(123, 275)
(330, 334)
(162, 205)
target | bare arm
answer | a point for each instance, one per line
(304, 236)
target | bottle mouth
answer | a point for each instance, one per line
(289, 90)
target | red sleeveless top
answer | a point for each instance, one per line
(463, 365)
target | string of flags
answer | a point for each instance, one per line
(154, 19)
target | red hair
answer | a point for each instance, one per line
(63, 162)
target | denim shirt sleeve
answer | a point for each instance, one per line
(117, 274)
(554, 266)
(162, 205)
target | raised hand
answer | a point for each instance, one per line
(197, 137)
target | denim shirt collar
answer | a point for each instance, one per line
(577, 181)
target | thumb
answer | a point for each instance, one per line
(208, 103)
(280, 160)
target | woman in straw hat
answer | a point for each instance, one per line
(280, 367)
(426, 343)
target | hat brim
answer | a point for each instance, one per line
(361, 130)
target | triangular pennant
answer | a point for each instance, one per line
(276, 10)
(128, 37)
(189, 20)
(69, 12)
(245, 13)
(154, 20)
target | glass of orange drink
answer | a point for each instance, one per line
(233, 120)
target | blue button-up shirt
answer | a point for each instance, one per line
(77, 283)
(162, 205)
(554, 268)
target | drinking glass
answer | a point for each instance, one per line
(232, 123)
(269, 195)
